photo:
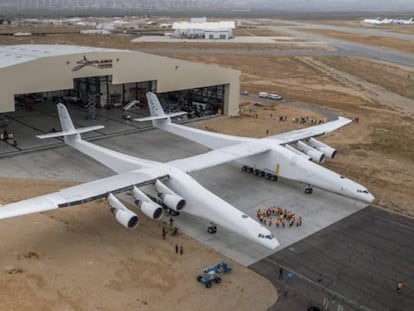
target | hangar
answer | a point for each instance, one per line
(105, 78)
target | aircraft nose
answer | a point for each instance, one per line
(270, 243)
(369, 198)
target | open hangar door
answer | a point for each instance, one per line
(199, 102)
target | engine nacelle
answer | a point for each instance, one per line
(123, 215)
(324, 148)
(315, 155)
(148, 207)
(169, 197)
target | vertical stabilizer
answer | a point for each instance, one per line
(66, 122)
(158, 117)
(154, 105)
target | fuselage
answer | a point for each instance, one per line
(287, 164)
(279, 161)
(205, 204)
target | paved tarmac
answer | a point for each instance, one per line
(361, 258)
(348, 48)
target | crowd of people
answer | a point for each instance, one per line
(304, 120)
(279, 217)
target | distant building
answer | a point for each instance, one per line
(198, 20)
(204, 30)
(22, 34)
(95, 32)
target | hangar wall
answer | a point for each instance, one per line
(53, 73)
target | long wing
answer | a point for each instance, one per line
(83, 193)
(219, 156)
(313, 131)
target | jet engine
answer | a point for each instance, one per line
(325, 149)
(123, 215)
(169, 197)
(148, 207)
(315, 155)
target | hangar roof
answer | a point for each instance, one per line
(217, 26)
(16, 54)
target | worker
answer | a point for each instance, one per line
(291, 222)
(300, 221)
(176, 248)
(283, 222)
(399, 287)
(277, 222)
(164, 233)
(181, 249)
(270, 221)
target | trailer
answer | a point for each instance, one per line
(263, 94)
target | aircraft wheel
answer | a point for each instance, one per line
(244, 168)
(274, 178)
(208, 284)
(218, 280)
(249, 170)
(308, 190)
(199, 278)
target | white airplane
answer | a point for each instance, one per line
(179, 192)
(377, 21)
(404, 21)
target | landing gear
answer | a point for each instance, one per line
(260, 173)
(212, 228)
(308, 189)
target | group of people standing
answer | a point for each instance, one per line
(279, 217)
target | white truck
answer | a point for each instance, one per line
(263, 94)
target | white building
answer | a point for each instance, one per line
(58, 71)
(204, 30)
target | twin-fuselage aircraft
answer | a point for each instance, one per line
(292, 155)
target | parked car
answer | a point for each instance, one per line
(246, 93)
(274, 96)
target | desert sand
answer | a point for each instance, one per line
(80, 258)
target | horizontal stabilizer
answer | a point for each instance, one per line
(166, 116)
(71, 132)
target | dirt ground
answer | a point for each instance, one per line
(80, 258)
(256, 121)
(375, 152)
(390, 43)
(257, 32)
(397, 79)
(124, 42)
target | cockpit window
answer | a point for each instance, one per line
(342, 177)
(362, 191)
(265, 236)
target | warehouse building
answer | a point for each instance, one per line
(98, 78)
(204, 30)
